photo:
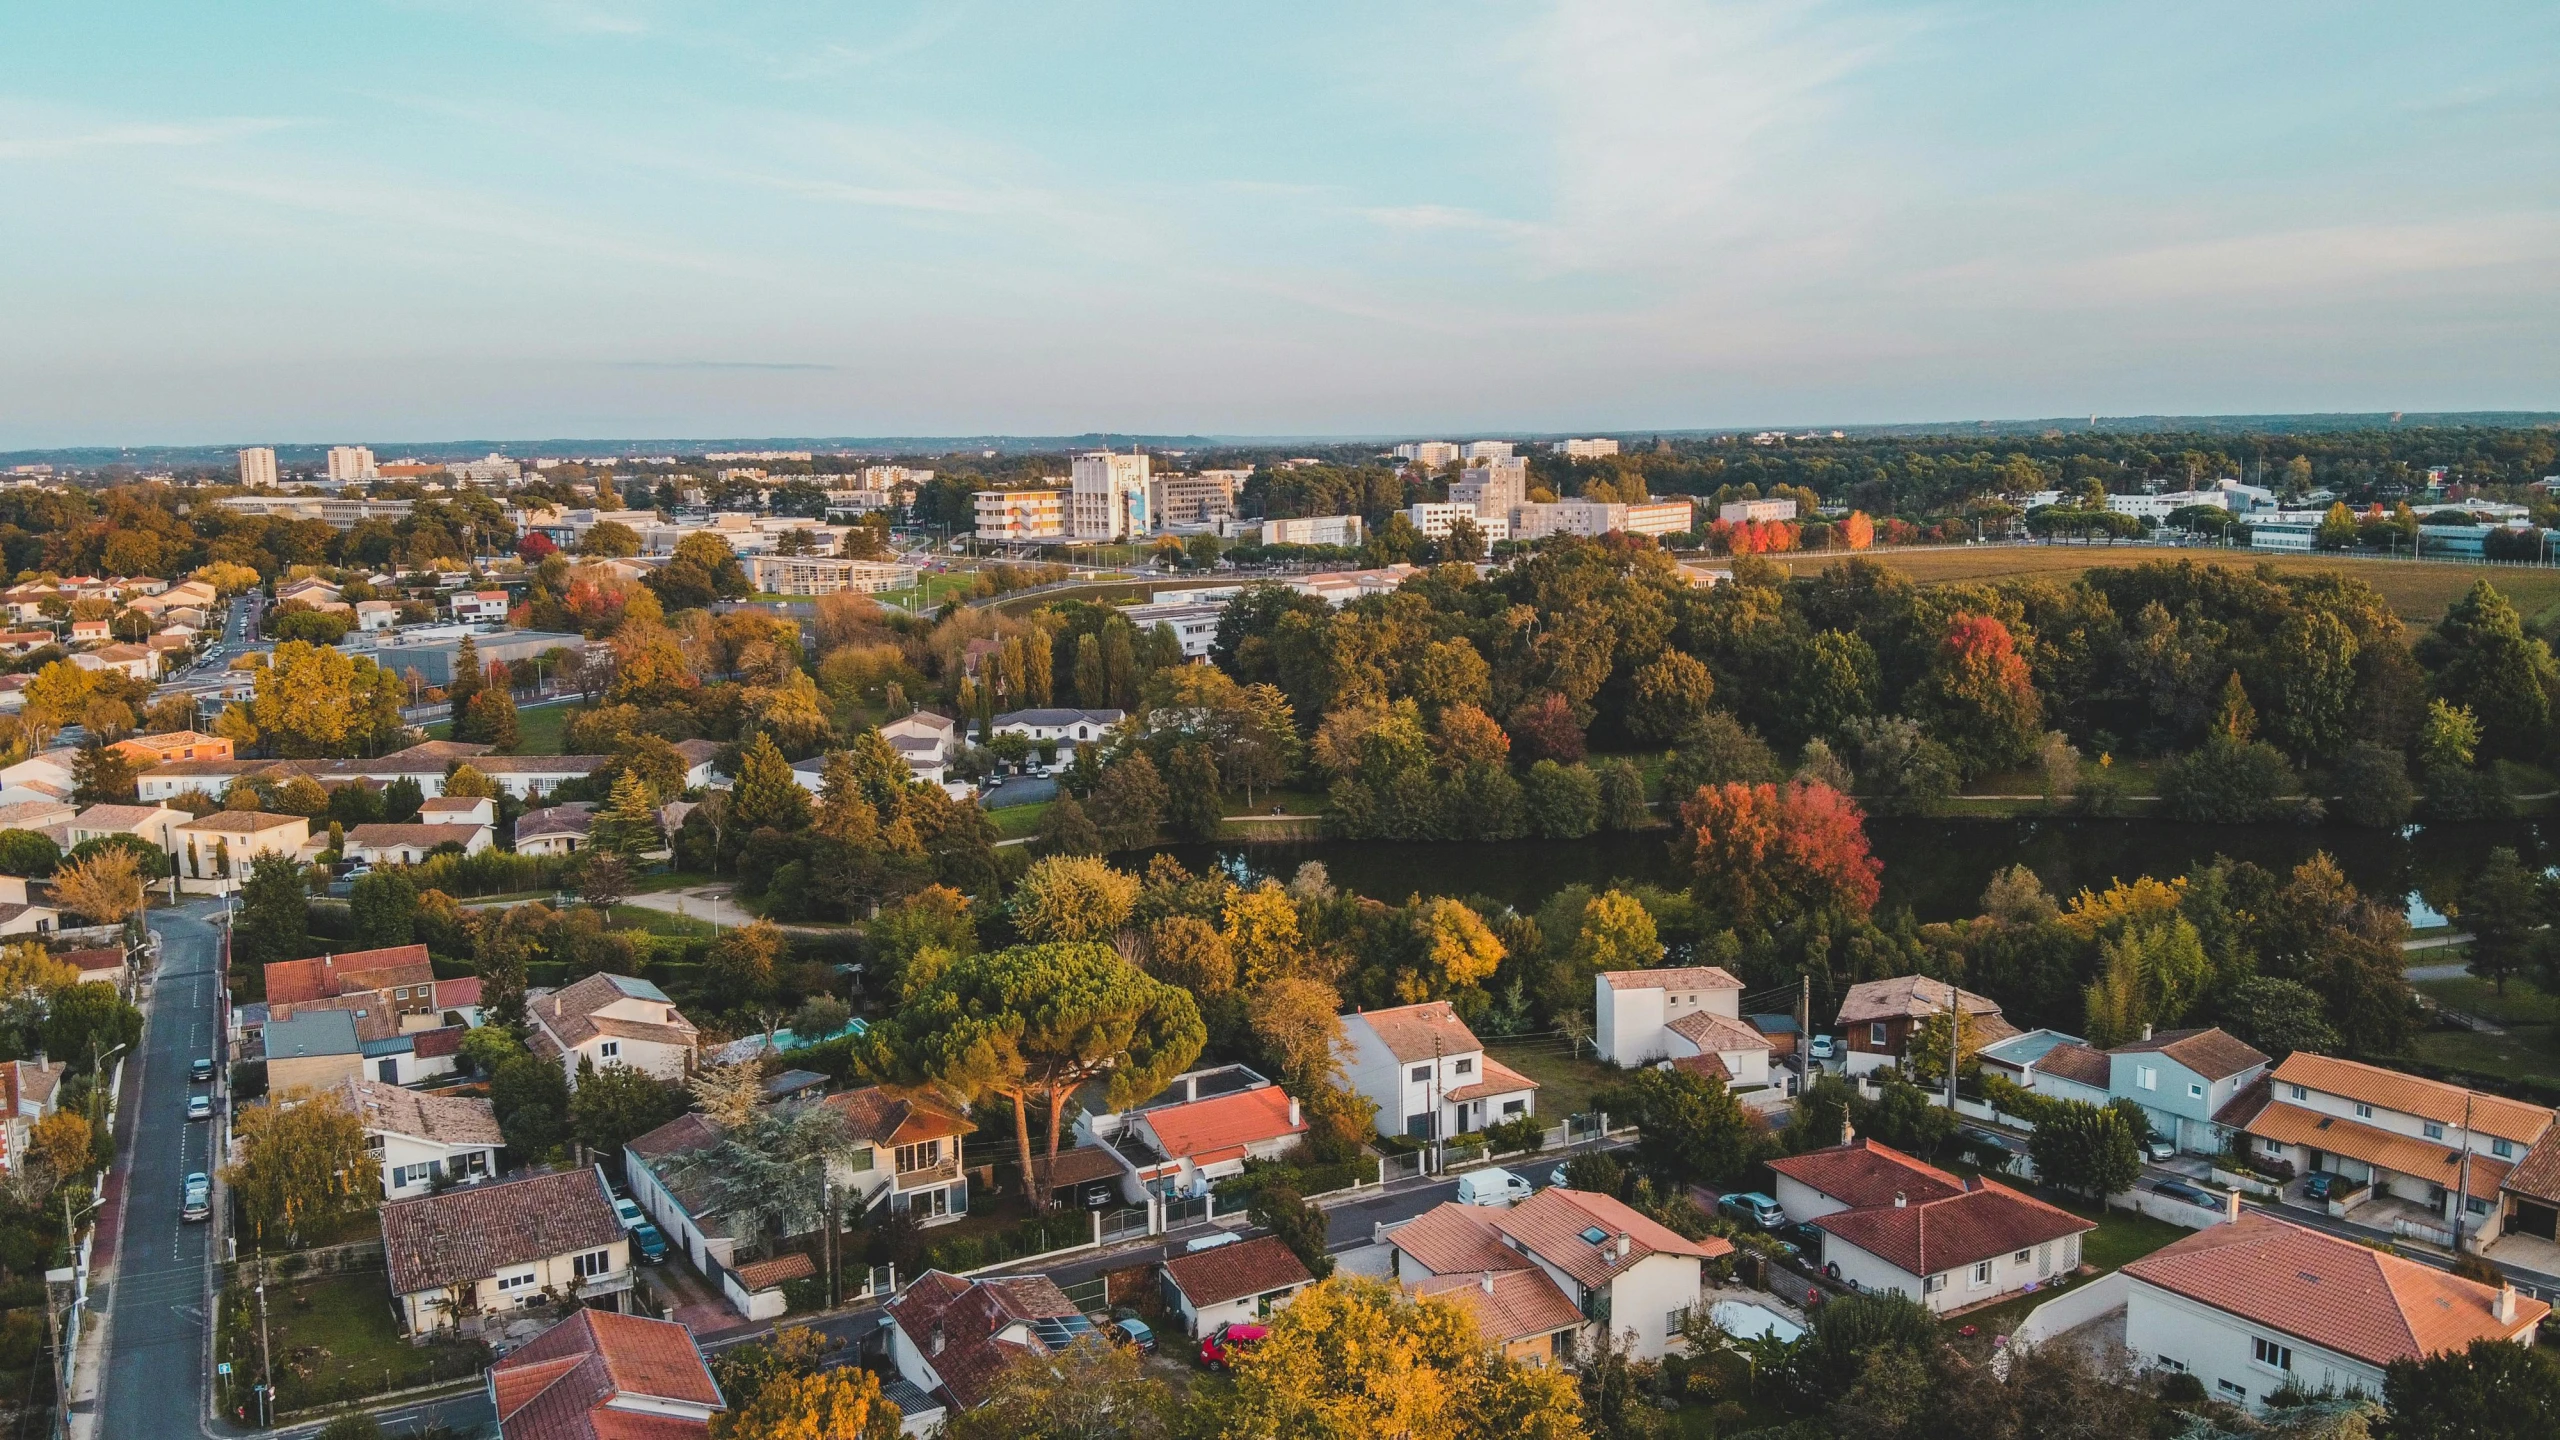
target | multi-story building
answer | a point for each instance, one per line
(258, 466)
(903, 1156)
(1434, 520)
(1495, 486)
(1428, 1072)
(1428, 452)
(1341, 530)
(496, 469)
(1475, 450)
(1569, 1257)
(1879, 1016)
(1194, 622)
(1191, 500)
(1892, 1223)
(420, 1139)
(611, 1020)
(1738, 512)
(1108, 497)
(825, 575)
(1535, 520)
(2182, 1079)
(1586, 449)
(350, 462)
(1022, 516)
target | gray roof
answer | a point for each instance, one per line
(313, 1032)
(638, 989)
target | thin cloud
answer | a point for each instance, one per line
(135, 135)
(717, 365)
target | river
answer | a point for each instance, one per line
(1936, 868)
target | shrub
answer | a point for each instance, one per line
(1523, 1133)
(2225, 782)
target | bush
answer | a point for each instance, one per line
(2373, 787)
(2225, 782)
(1525, 1133)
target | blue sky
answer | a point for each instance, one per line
(386, 221)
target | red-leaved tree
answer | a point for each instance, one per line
(1979, 697)
(1542, 728)
(1766, 853)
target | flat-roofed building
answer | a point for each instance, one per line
(1021, 516)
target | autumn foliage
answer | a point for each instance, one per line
(1764, 853)
(1751, 537)
(1857, 532)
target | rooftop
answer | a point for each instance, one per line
(2213, 1054)
(1947, 1232)
(1673, 977)
(470, 1233)
(563, 1385)
(2426, 1099)
(1202, 1127)
(301, 1037)
(1233, 1272)
(1907, 997)
(1508, 1305)
(1421, 1032)
(1865, 1173)
(1557, 1224)
(444, 1120)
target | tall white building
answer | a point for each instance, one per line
(1586, 449)
(1428, 452)
(1107, 497)
(350, 462)
(258, 466)
(1475, 450)
(1497, 485)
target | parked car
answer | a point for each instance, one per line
(1804, 1235)
(651, 1245)
(1824, 1048)
(628, 1212)
(2160, 1151)
(1212, 1242)
(1228, 1340)
(1752, 1208)
(2317, 1185)
(2181, 1190)
(199, 1107)
(197, 1197)
(1492, 1187)
(201, 1070)
(1982, 1139)
(1135, 1332)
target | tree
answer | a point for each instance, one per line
(486, 1047)
(1764, 853)
(746, 963)
(1193, 805)
(604, 877)
(468, 782)
(1073, 897)
(2225, 781)
(2373, 788)
(2483, 659)
(1717, 749)
(820, 1017)
(729, 1094)
(1689, 1128)
(302, 1165)
(1979, 697)
(1457, 949)
(102, 775)
(1034, 1023)
(493, 720)
(766, 794)
(2504, 911)
(840, 1404)
(1129, 803)
(273, 911)
(1353, 1359)
(1298, 1224)
(1543, 728)
(743, 1371)
(617, 1103)
(627, 826)
(106, 887)
(24, 852)
(609, 539)
(703, 569)
(2491, 1390)
(2278, 1016)
(531, 1098)
(1562, 802)
(2313, 659)
(2089, 1149)
(62, 1145)
(85, 1022)
(383, 906)
(1298, 1021)
(401, 800)
(1671, 694)
(1094, 1390)
(1065, 830)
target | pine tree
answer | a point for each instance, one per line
(467, 681)
(1119, 667)
(766, 793)
(628, 824)
(1093, 685)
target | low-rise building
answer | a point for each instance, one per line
(215, 851)
(29, 1091)
(175, 745)
(1741, 512)
(1598, 1256)
(471, 606)
(458, 810)
(2182, 1079)
(375, 616)
(1878, 1017)
(135, 662)
(1205, 1128)
(1060, 727)
(1342, 531)
(906, 1159)
(556, 830)
(950, 1338)
(825, 575)
(380, 844)
(1891, 1223)
(155, 825)
(315, 1050)
(701, 758)
(1632, 1009)
(599, 1375)
(401, 972)
(100, 965)
(611, 1020)
(2052, 1064)
(1428, 1072)
(1194, 622)
(423, 1140)
(487, 1249)
(1243, 1282)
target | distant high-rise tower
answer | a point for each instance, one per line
(258, 466)
(350, 462)
(1108, 497)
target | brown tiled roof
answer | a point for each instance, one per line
(570, 1015)
(2330, 1292)
(1673, 977)
(1551, 1226)
(2537, 1175)
(767, 1274)
(29, 1081)
(1232, 1272)
(1925, 1237)
(617, 1026)
(444, 1120)
(1409, 1031)
(457, 994)
(558, 1387)
(1714, 1033)
(968, 1314)
(1498, 1079)
(471, 1233)
(555, 820)
(1449, 1237)
(115, 817)
(1864, 1173)
(2245, 1103)
(1710, 1064)
(2214, 1054)
(681, 1136)
(873, 1116)
(105, 957)
(1907, 997)
(374, 1018)
(698, 752)
(2436, 1161)
(1201, 1127)
(540, 764)
(320, 975)
(442, 1041)
(1085, 1163)
(2429, 1099)
(1508, 1305)
(2078, 1063)
(441, 750)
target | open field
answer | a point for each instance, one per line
(538, 730)
(1566, 1084)
(334, 1340)
(2419, 593)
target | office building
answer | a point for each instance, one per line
(1343, 530)
(1189, 500)
(258, 466)
(1022, 516)
(1495, 486)
(1741, 511)
(350, 462)
(495, 470)
(824, 575)
(1108, 497)
(1428, 452)
(1586, 449)
(1535, 521)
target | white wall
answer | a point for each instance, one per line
(2008, 1273)
(2071, 1309)
(401, 1151)
(1629, 1024)
(1642, 1297)
(2214, 1347)
(1802, 1202)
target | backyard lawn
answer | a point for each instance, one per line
(334, 1340)
(538, 730)
(2122, 1237)
(1566, 1085)
(2524, 1052)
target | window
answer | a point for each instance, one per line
(2363, 1111)
(1981, 1274)
(2298, 1093)
(510, 1284)
(1511, 1108)
(2163, 1362)
(400, 994)
(1933, 1284)
(2271, 1354)
(1462, 1067)
(593, 1263)
(2236, 1392)
(2475, 1204)
(609, 1050)
(2146, 1077)
(2503, 1149)
(373, 1144)
(2433, 1130)
(1420, 1073)
(2021, 1257)
(2195, 1091)
(1875, 1035)
(1677, 1317)
(922, 1156)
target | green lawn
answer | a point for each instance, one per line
(2523, 1053)
(538, 731)
(1015, 821)
(2122, 1237)
(1566, 1085)
(2525, 1003)
(657, 922)
(334, 1340)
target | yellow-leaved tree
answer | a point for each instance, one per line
(302, 1160)
(106, 887)
(840, 1404)
(1459, 947)
(1354, 1359)
(1073, 897)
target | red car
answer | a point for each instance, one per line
(1223, 1344)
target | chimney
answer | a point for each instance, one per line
(2231, 1207)
(933, 1346)
(1626, 1243)
(1900, 1200)
(1488, 1283)
(1293, 1112)
(2504, 1307)
(2146, 1032)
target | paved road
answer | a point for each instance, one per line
(154, 1378)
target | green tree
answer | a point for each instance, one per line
(2484, 659)
(766, 794)
(2091, 1150)
(628, 824)
(1065, 830)
(617, 1103)
(301, 1164)
(102, 775)
(383, 906)
(1560, 802)
(24, 852)
(1073, 897)
(1622, 797)
(1095, 1390)
(2225, 781)
(1194, 805)
(2505, 911)
(1299, 1225)
(1034, 1023)
(2491, 1390)
(463, 687)
(2373, 789)
(83, 1022)
(401, 800)
(492, 720)
(531, 1098)
(703, 569)
(1689, 1128)
(1128, 804)
(746, 965)
(2278, 1016)
(2313, 660)
(272, 918)
(1671, 694)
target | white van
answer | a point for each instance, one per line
(1491, 1187)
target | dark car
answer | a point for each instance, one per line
(2180, 1190)
(651, 1245)
(1804, 1235)
(2317, 1184)
(1134, 1332)
(201, 1070)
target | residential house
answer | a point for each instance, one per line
(138, 662)
(380, 844)
(1519, 1312)
(664, 1171)
(1428, 1073)
(31, 1090)
(698, 756)
(50, 770)
(599, 1375)
(155, 825)
(175, 745)
(530, 777)
(20, 642)
(375, 616)
(2053, 1064)
(941, 731)
(949, 1338)
(215, 851)
(611, 1020)
(1202, 1129)
(1242, 1282)
(421, 1139)
(401, 972)
(556, 830)
(1890, 1222)
(1878, 1017)
(2262, 1305)
(90, 632)
(485, 1249)
(459, 810)
(392, 1047)
(37, 812)
(2420, 1156)
(1058, 732)
(2182, 1079)
(1690, 1015)
(314, 1050)
(476, 605)
(101, 965)
(22, 914)
(906, 1155)
(1599, 1256)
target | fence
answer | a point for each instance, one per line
(2072, 1309)
(2176, 1212)
(356, 1256)
(1392, 1168)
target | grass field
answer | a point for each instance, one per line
(2418, 593)
(2122, 1237)
(2522, 1053)
(334, 1340)
(1566, 1085)
(538, 730)
(2525, 1003)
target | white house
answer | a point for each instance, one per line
(487, 1249)
(375, 616)
(949, 1337)
(556, 830)
(215, 851)
(137, 662)
(611, 1020)
(530, 777)
(420, 1139)
(1599, 1255)
(1688, 1013)
(1198, 1139)
(905, 1158)
(1066, 729)
(1428, 1072)
(699, 756)
(1243, 1282)
(2259, 1305)
(459, 810)
(1890, 1222)
(2051, 1064)
(380, 844)
(2182, 1079)
(30, 1090)
(154, 824)
(480, 605)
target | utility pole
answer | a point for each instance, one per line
(1955, 1019)
(2462, 1181)
(266, 1363)
(61, 1361)
(1804, 1033)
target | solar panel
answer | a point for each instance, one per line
(1057, 1332)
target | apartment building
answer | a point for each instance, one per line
(1428, 452)
(1495, 486)
(1342, 530)
(1434, 520)
(1021, 516)
(1194, 500)
(1475, 450)
(1738, 512)
(1586, 449)
(258, 466)
(350, 462)
(1107, 497)
(825, 575)
(1534, 520)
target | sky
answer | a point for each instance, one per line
(387, 220)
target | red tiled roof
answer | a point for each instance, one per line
(1419, 1032)
(1925, 1237)
(325, 975)
(559, 1387)
(968, 1314)
(681, 1136)
(1672, 977)
(2078, 1063)
(104, 958)
(1709, 1065)
(2537, 1175)
(2330, 1292)
(1713, 1033)
(2213, 1054)
(471, 1233)
(768, 1274)
(439, 1042)
(1508, 1305)
(1499, 1079)
(1552, 1225)
(1232, 1272)
(873, 1116)
(1865, 1173)
(1223, 1121)
(457, 994)
(1450, 1237)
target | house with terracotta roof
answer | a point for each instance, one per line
(599, 1375)
(906, 1155)
(154, 825)
(1520, 1312)
(215, 851)
(1679, 1013)
(173, 745)
(401, 972)
(1428, 1072)
(949, 1338)
(29, 1091)
(1891, 1223)
(2182, 1079)
(1597, 1255)
(1242, 1282)
(2262, 1305)
(1201, 1130)
(2420, 1155)
(382, 844)
(486, 1249)
(1878, 1017)
(421, 1140)
(611, 1020)
(99, 965)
